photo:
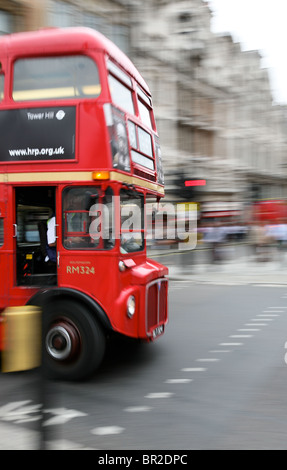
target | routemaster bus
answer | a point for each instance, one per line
(79, 158)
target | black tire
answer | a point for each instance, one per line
(73, 341)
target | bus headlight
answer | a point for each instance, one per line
(131, 306)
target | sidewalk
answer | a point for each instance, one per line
(244, 270)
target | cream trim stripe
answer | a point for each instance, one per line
(81, 176)
(45, 177)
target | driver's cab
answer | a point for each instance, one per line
(35, 206)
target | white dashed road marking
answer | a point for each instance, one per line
(177, 381)
(137, 409)
(241, 336)
(249, 329)
(62, 416)
(268, 315)
(215, 351)
(208, 359)
(260, 319)
(159, 395)
(106, 430)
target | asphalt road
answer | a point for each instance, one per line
(215, 380)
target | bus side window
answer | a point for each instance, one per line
(145, 107)
(145, 114)
(121, 95)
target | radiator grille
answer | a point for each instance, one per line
(156, 306)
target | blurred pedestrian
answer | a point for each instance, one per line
(282, 239)
(215, 236)
(263, 240)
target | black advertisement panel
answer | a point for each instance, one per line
(37, 134)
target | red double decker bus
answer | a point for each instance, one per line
(79, 157)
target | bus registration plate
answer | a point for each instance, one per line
(157, 331)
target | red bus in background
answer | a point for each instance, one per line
(79, 147)
(271, 211)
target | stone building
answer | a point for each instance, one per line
(109, 17)
(215, 113)
(215, 110)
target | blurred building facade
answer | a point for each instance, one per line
(214, 107)
(215, 110)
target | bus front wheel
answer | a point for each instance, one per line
(73, 341)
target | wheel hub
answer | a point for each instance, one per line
(59, 342)
(63, 341)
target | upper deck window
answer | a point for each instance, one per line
(144, 104)
(141, 143)
(119, 73)
(145, 114)
(120, 87)
(65, 77)
(121, 95)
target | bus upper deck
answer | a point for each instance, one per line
(70, 93)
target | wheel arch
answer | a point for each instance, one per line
(43, 297)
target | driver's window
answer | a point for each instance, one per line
(76, 220)
(88, 218)
(132, 221)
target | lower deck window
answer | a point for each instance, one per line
(88, 218)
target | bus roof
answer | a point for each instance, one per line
(68, 40)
